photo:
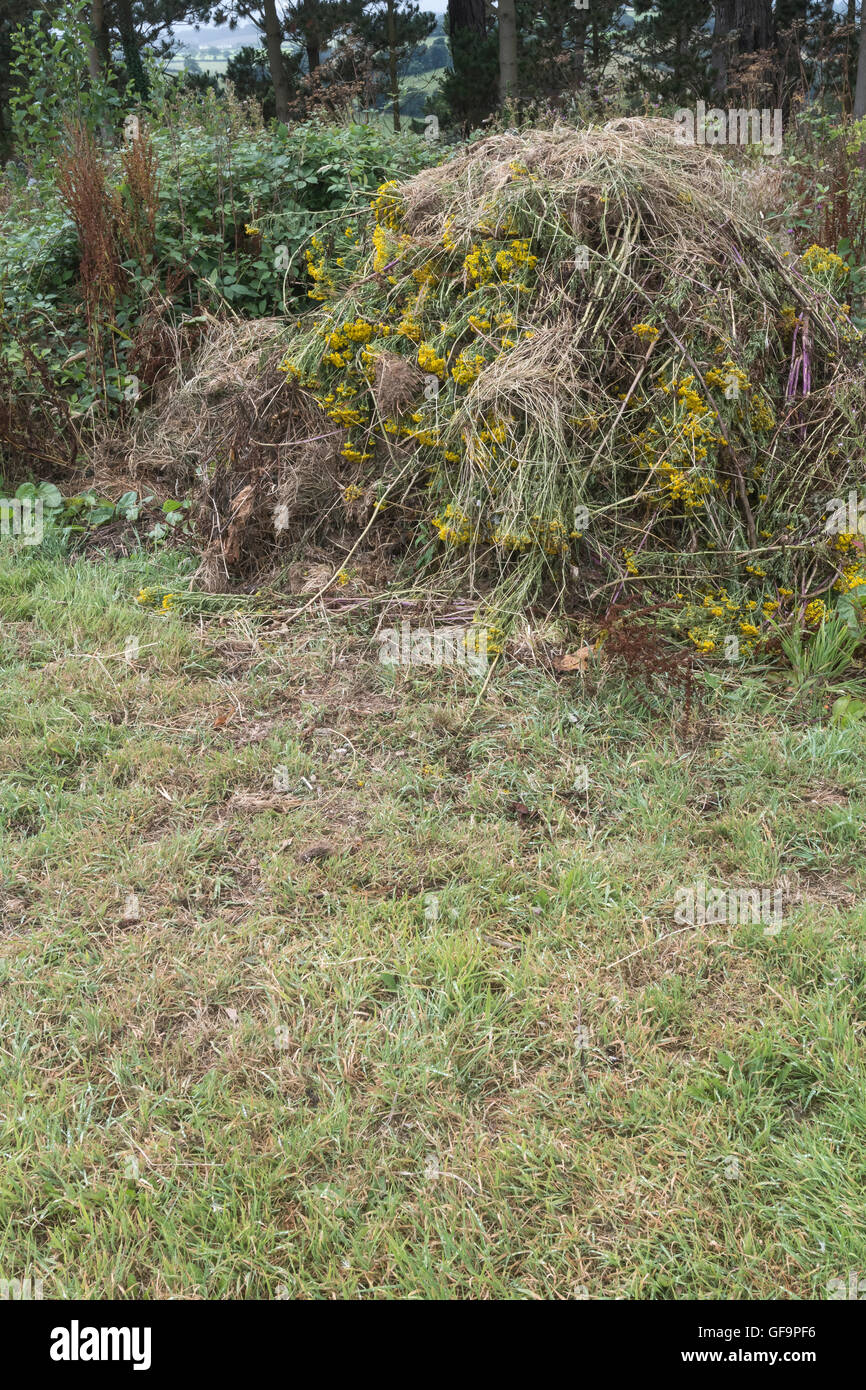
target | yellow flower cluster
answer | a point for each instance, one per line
(410, 328)
(494, 431)
(155, 598)
(467, 367)
(674, 453)
(684, 389)
(551, 535)
(316, 269)
(387, 205)
(688, 488)
(430, 361)
(761, 413)
(453, 526)
(345, 402)
(816, 612)
(645, 331)
(388, 247)
(346, 416)
(494, 636)
(358, 332)
(484, 265)
(825, 265)
(852, 577)
(727, 375)
(847, 541)
(381, 248)
(725, 617)
(425, 275)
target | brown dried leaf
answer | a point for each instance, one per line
(573, 661)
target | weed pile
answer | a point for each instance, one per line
(575, 366)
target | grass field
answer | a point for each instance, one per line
(461, 1049)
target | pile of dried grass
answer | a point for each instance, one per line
(575, 361)
(252, 447)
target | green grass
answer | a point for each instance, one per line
(311, 1078)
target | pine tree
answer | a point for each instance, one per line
(311, 23)
(672, 47)
(557, 43)
(468, 93)
(393, 30)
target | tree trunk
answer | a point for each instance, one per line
(850, 49)
(467, 14)
(274, 43)
(507, 11)
(97, 49)
(392, 65)
(99, 55)
(314, 56)
(474, 81)
(578, 60)
(740, 26)
(860, 89)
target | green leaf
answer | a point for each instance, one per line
(127, 506)
(51, 497)
(847, 710)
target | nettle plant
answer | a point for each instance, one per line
(237, 204)
(109, 257)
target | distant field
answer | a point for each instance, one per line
(414, 87)
(210, 65)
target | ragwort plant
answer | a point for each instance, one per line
(610, 381)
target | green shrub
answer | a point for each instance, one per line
(237, 200)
